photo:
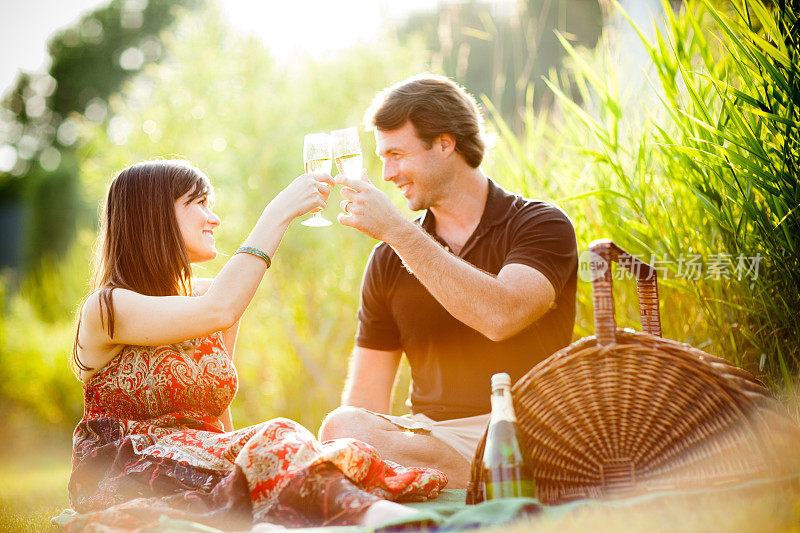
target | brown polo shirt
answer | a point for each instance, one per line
(451, 363)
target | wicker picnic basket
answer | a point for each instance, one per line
(626, 412)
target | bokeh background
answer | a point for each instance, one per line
(670, 127)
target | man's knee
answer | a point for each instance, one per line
(347, 422)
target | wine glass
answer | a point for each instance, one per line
(317, 158)
(347, 152)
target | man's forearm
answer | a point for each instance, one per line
(474, 297)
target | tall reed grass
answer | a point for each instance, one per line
(690, 160)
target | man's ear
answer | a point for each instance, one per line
(447, 143)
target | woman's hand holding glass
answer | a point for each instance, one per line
(317, 158)
(345, 147)
(306, 193)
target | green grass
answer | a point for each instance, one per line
(34, 476)
(771, 508)
(33, 487)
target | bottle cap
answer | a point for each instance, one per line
(500, 381)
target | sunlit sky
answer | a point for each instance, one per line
(284, 25)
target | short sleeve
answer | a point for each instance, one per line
(377, 329)
(542, 237)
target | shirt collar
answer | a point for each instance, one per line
(496, 210)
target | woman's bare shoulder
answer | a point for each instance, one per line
(94, 346)
(94, 313)
(90, 312)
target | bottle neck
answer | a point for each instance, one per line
(502, 407)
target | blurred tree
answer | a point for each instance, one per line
(503, 49)
(39, 196)
(222, 101)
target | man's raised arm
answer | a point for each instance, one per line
(496, 306)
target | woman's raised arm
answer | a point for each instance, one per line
(156, 320)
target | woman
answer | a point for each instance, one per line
(154, 349)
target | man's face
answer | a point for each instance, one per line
(418, 171)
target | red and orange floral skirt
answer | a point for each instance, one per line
(127, 474)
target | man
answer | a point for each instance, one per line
(483, 282)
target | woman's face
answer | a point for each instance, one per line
(197, 222)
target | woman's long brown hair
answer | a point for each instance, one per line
(140, 245)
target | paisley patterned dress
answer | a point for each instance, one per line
(151, 444)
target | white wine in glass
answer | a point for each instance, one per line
(347, 152)
(317, 158)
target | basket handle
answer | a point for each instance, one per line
(604, 251)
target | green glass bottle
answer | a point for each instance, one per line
(507, 471)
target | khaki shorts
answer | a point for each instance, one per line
(461, 434)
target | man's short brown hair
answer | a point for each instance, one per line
(434, 105)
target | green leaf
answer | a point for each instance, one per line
(773, 116)
(605, 192)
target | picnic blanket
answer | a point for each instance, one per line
(446, 512)
(758, 506)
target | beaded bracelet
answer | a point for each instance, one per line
(254, 251)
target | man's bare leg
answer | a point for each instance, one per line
(397, 444)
